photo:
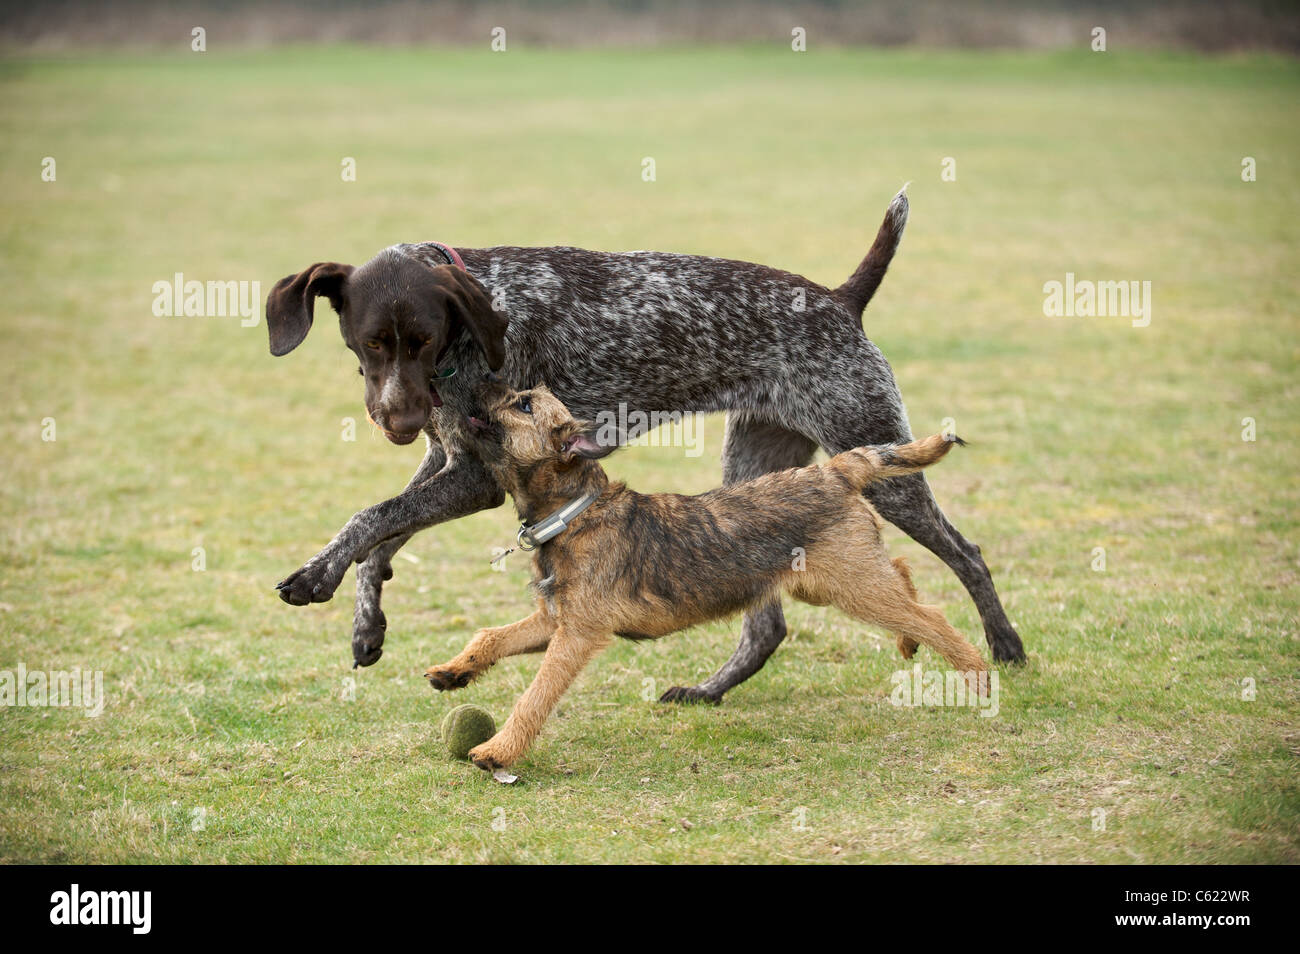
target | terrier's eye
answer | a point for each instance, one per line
(525, 405)
(373, 344)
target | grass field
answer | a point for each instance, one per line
(231, 731)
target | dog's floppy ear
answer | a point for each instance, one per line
(467, 301)
(290, 306)
(581, 439)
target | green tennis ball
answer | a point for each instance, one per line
(465, 727)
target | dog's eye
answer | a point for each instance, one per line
(525, 405)
(373, 344)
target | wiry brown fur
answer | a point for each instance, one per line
(642, 566)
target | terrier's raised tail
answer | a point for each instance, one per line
(866, 465)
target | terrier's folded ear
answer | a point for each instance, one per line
(587, 440)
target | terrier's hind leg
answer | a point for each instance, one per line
(925, 624)
(906, 644)
(908, 504)
(861, 580)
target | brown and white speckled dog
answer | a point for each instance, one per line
(643, 566)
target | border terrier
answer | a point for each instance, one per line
(612, 562)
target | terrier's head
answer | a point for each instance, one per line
(531, 442)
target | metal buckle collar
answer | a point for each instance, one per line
(532, 537)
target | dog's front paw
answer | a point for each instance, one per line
(685, 695)
(448, 676)
(314, 583)
(368, 637)
(492, 755)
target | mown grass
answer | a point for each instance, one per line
(175, 433)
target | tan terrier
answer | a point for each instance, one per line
(612, 562)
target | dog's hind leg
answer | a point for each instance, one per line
(908, 504)
(906, 644)
(853, 572)
(751, 448)
(850, 417)
(913, 623)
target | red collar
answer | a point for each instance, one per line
(453, 258)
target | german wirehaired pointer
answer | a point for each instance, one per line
(611, 562)
(786, 358)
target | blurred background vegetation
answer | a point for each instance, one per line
(1205, 25)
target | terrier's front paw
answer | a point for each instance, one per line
(491, 755)
(448, 676)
